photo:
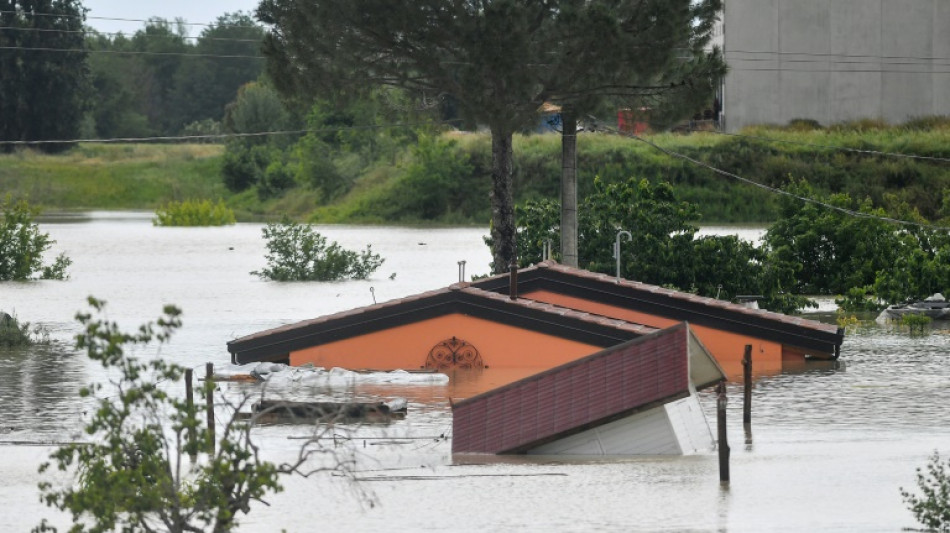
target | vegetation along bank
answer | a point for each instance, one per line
(420, 176)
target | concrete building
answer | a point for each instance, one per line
(835, 60)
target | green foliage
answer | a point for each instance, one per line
(434, 184)
(858, 299)
(115, 176)
(135, 473)
(22, 245)
(836, 251)
(295, 252)
(41, 99)
(932, 507)
(194, 213)
(916, 324)
(13, 333)
(663, 249)
(157, 81)
(846, 322)
(840, 253)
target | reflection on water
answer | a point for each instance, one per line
(39, 392)
(827, 451)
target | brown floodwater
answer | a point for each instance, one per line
(829, 449)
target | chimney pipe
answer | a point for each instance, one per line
(513, 281)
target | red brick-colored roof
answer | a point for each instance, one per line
(609, 385)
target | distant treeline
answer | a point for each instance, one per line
(161, 81)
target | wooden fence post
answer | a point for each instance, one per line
(721, 402)
(209, 400)
(190, 402)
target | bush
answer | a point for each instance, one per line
(932, 507)
(134, 474)
(663, 249)
(22, 245)
(194, 213)
(915, 324)
(13, 333)
(296, 252)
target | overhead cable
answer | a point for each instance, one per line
(117, 140)
(146, 35)
(117, 19)
(128, 52)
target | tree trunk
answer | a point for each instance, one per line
(502, 201)
(568, 188)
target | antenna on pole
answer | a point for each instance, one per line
(617, 249)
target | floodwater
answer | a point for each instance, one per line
(828, 451)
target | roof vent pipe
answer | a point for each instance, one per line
(513, 281)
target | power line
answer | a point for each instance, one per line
(839, 71)
(849, 212)
(833, 147)
(127, 52)
(829, 54)
(114, 34)
(118, 19)
(118, 140)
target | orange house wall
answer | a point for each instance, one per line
(726, 347)
(406, 347)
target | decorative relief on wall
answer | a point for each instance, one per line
(454, 354)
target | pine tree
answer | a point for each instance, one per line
(498, 61)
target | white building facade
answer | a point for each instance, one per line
(835, 60)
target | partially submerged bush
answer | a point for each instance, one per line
(295, 252)
(916, 324)
(14, 333)
(932, 507)
(194, 213)
(22, 245)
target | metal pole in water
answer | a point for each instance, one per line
(747, 393)
(721, 402)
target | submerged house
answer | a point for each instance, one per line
(499, 330)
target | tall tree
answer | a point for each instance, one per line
(497, 60)
(42, 71)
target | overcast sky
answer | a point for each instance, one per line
(193, 11)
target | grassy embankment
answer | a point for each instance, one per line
(792, 153)
(146, 176)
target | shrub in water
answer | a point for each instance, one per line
(194, 213)
(916, 324)
(932, 507)
(22, 245)
(13, 333)
(295, 252)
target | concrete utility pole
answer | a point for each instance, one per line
(568, 187)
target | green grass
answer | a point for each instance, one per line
(114, 176)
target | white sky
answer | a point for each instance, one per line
(193, 11)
